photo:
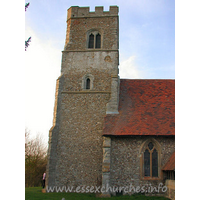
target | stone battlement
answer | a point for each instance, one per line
(77, 12)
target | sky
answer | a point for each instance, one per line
(146, 48)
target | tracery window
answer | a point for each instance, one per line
(150, 165)
(150, 161)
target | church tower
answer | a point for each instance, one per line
(87, 90)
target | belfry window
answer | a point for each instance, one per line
(150, 161)
(91, 41)
(88, 84)
(98, 41)
(94, 40)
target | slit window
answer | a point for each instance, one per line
(87, 83)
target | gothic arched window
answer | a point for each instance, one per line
(94, 39)
(91, 41)
(150, 162)
(98, 41)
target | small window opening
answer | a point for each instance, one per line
(98, 41)
(91, 41)
(88, 83)
(170, 175)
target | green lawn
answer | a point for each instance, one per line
(35, 193)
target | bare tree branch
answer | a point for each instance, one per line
(35, 159)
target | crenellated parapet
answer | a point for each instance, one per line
(77, 12)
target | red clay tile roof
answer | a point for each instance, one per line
(170, 164)
(146, 107)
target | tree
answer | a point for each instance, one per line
(27, 43)
(35, 159)
(29, 39)
(26, 6)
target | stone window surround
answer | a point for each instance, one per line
(141, 155)
(84, 81)
(94, 32)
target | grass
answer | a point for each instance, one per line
(35, 193)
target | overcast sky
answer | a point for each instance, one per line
(146, 47)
